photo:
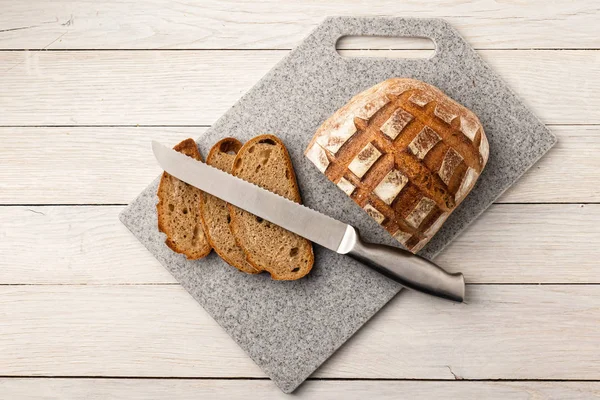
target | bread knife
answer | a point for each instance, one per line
(410, 270)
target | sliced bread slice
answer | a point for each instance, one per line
(214, 212)
(264, 160)
(178, 210)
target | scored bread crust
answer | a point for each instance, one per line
(215, 214)
(268, 247)
(189, 239)
(404, 152)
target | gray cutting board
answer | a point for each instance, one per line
(290, 328)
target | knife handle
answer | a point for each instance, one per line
(410, 270)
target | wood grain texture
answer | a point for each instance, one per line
(103, 306)
(73, 245)
(529, 243)
(507, 244)
(112, 24)
(566, 173)
(504, 332)
(180, 87)
(190, 389)
(115, 164)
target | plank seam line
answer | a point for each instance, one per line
(582, 203)
(289, 49)
(250, 378)
(203, 125)
(177, 284)
(519, 203)
(106, 126)
(94, 284)
(65, 205)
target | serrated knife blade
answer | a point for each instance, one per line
(252, 198)
(404, 267)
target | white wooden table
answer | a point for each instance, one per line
(87, 312)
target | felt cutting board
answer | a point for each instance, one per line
(290, 328)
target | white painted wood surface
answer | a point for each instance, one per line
(522, 243)
(197, 87)
(271, 24)
(503, 332)
(117, 165)
(81, 298)
(194, 389)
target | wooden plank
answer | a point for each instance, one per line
(197, 87)
(529, 243)
(118, 24)
(566, 173)
(117, 164)
(114, 164)
(504, 332)
(190, 389)
(73, 245)
(507, 244)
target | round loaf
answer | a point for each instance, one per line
(404, 152)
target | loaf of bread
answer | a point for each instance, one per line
(214, 211)
(178, 210)
(264, 161)
(404, 152)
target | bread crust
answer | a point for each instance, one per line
(404, 152)
(220, 150)
(293, 194)
(164, 215)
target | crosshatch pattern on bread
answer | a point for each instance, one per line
(404, 152)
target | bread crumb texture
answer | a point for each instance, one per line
(178, 211)
(265, 162)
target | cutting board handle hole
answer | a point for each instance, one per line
(385, 47)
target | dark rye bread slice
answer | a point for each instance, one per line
(264, 161)
(178, 210)
(215, 214)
